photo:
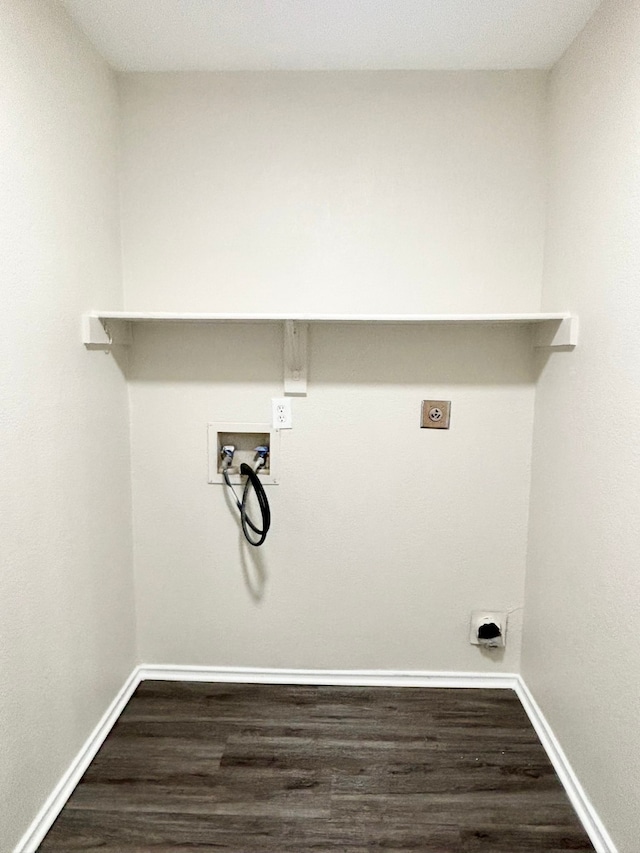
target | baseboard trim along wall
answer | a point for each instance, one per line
(584, 809)
(63, 790)
(330, 677)
(347, 678)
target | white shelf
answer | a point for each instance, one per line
(101, 329)
(487, 319)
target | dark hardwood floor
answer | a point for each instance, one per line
(279, 769)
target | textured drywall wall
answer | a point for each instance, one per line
(581, 655)
(66, 601)
(384, 536)
(360, 192)
(377, 192)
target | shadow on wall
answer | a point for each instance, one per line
(254, 572)
(338, 354)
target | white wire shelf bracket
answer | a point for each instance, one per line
(102, 329)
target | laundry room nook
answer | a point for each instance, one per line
(320, 412)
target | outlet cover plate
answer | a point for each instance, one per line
(281, 413)
(435, 414)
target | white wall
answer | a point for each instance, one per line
(384, 536)
(581, 654)
(66, 602)
(347, 191)
(362, 192)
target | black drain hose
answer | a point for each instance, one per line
(253, 481)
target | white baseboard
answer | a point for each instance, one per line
(584, 809)
(347, 678)
(63, 790)
(330, 677)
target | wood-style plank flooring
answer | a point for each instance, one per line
(280, 769)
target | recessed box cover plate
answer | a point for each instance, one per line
(245, 438)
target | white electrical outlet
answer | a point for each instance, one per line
(281, 413)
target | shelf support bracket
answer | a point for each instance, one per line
(295, 358)
(103, 334)
(557, 333)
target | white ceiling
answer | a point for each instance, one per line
(182, 35)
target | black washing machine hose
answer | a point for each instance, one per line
(253, 482)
